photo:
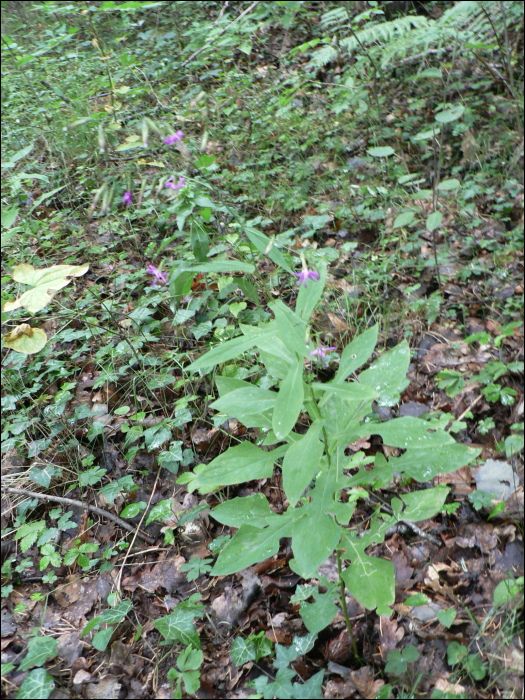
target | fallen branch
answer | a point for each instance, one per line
(74, 502)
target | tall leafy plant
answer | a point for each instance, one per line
(315, 468)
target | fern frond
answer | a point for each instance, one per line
(323, 56)
(337, 16)
(383, 31)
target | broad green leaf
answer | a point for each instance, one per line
(449, 115)
(506, 590)
(101, 639)
(428, 73)
(446, 617)
(309, 296)
(25, 339)
(316, 616)
(156, 436)
(292, 329)
(427, 453)
(404, 219)
(9, 216)
(133, 509)
(310, 552)
(420, 505)
(227, 384)
(350, 391)
(356, 353)
(246, 401)
(190, 659)
(434, 220)
(370, 580)
(417, 600)
(310, 689)
(129, 146)
(180, 284)
(45, 281)
(39, 649)
(37, 685)
(427, 134)
(262, 243)
(162, 511)
(280, 688)
(236, 308)
(301, 462)
(241, 651)
(248, 289)
(449, 185)
(380, 151)
(387, 375)
(238, 464)
(275, 355)
(253, 510)
(289, 401)
(251, 545)
(178, 626)
(233, 348)
(343, 425)
(217, 266)
(116, 614)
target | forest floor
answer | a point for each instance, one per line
(335, 157)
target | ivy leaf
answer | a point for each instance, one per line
(242, 651)
(178, 627)
(39, 649)
(37, 685)
(242, 463)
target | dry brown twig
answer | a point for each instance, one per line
(74, 502)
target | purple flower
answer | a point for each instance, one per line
(180, 183)
(320, 352)
(177, 136)
(306, 274)
(127, 199)
(157, 275)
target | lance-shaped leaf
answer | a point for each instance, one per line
(242, 463)
(252, 510)
(301, 461)
(216, 266)
(388, 374)
(45, 283)
(292, 329)
(263, 245)
(289, 401)
(249, 405)
(356, 354)
(251, 545)
(232, 348)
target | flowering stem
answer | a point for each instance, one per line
(343, 605)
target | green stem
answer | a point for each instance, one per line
(343, 605)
